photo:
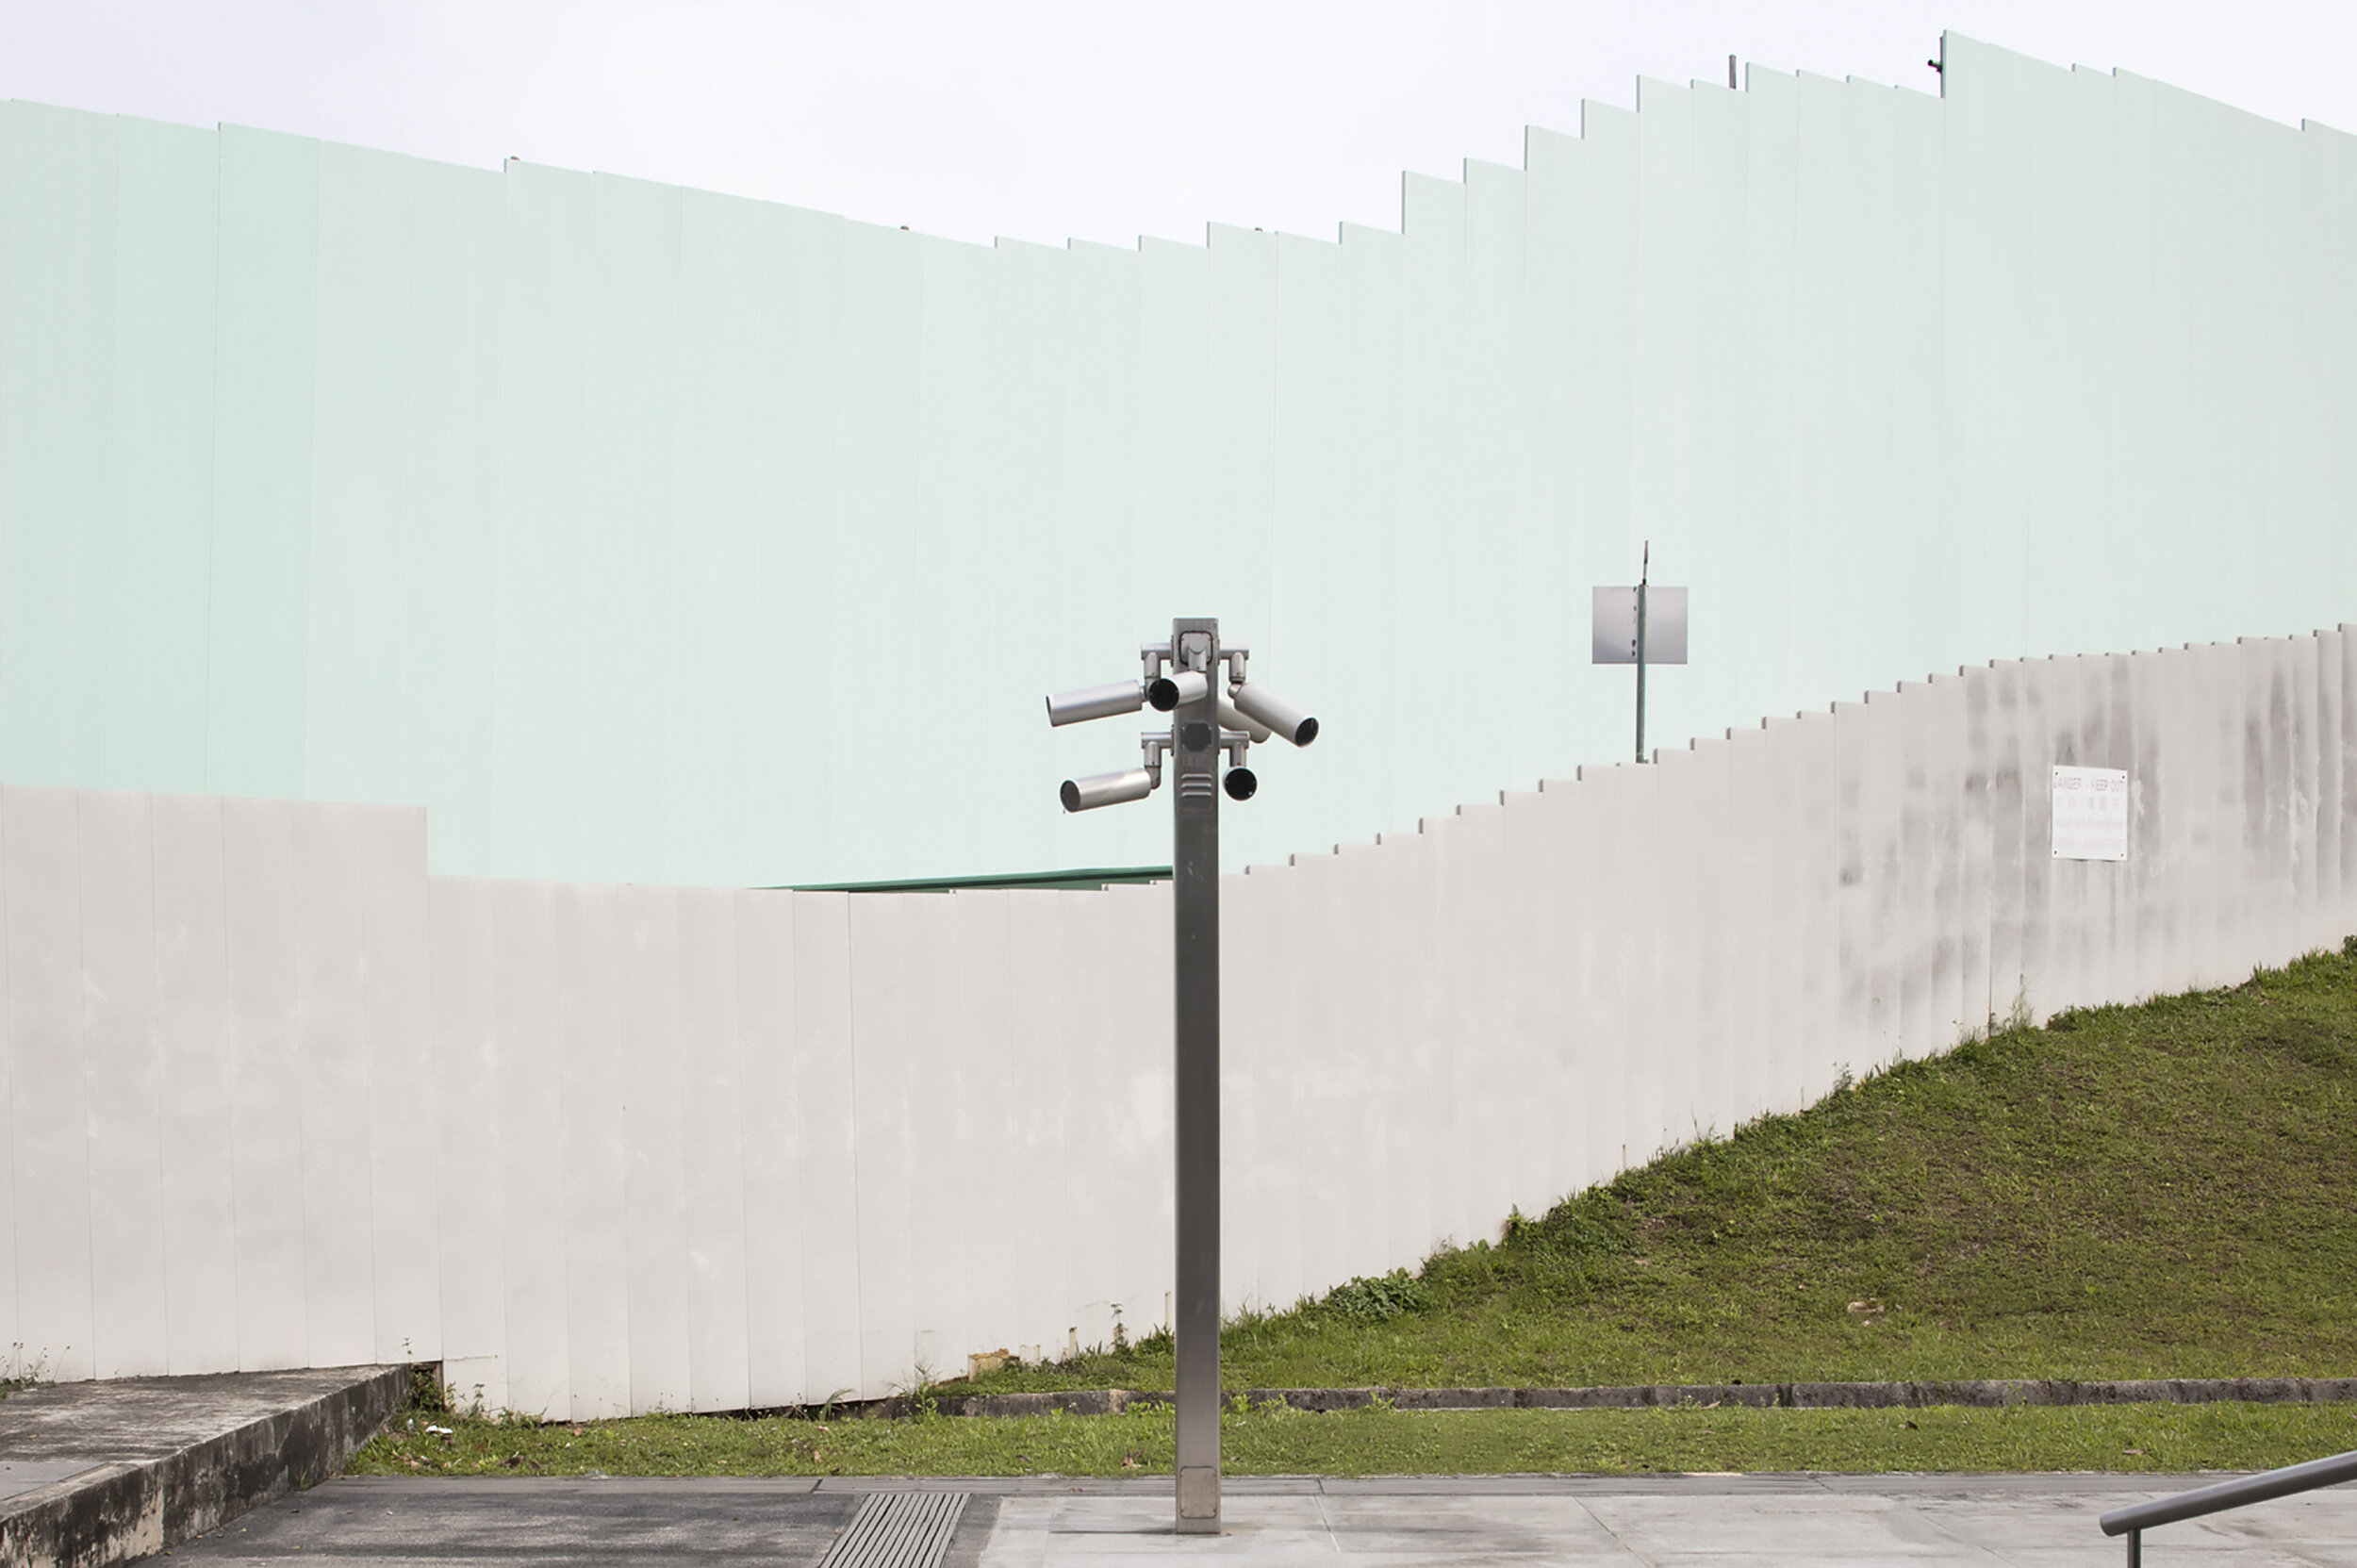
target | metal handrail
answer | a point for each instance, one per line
(2137, 1518)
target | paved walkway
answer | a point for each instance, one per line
(2035, 1520)
(106, 1473)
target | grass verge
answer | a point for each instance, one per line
(2171, 1438)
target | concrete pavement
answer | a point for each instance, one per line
(2032, 1521)
(96, 1473)
(710, 1521)
(2045, 1521)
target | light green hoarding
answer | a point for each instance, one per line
(644, 533)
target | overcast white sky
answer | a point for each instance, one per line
(1043, 120)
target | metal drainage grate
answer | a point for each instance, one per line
(899, 1529)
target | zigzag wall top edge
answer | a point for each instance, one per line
(1757, 75)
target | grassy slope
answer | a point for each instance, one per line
(2165, 1190)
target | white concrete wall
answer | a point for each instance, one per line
(274, 1096)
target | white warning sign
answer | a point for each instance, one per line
(2091, 814)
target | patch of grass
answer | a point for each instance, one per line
(2158, 1438)
(428, 1394)
(2158, 1191)
(16, 1373)
(1379, 1299)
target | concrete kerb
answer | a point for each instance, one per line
(1975, 1393)
(147, 1462)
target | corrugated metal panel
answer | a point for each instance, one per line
(643, 534)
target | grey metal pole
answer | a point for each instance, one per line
(1195, 910)
(2135, 1549)
(1644, 572)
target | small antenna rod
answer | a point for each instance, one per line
(1644, 575)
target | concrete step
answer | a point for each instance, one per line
(108, 1472)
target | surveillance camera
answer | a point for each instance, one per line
(1107, 789)
(1230, 719)
(1105, 702)
(1167, 691)
(1240, 784)
(1266, 707)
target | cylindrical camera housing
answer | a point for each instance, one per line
(1229, 718)
(1167, 691)
(1105, 702)
(1107, 789)
(1263, 706)
(1241, 783)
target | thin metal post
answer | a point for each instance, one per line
(1644, 572)
(2135, 1549)
(1194, 909)
(1731, 73)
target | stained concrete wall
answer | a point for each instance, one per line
(646, 534)
(276, 1096)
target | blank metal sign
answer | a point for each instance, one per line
(2091, 814)
(1614, 638)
